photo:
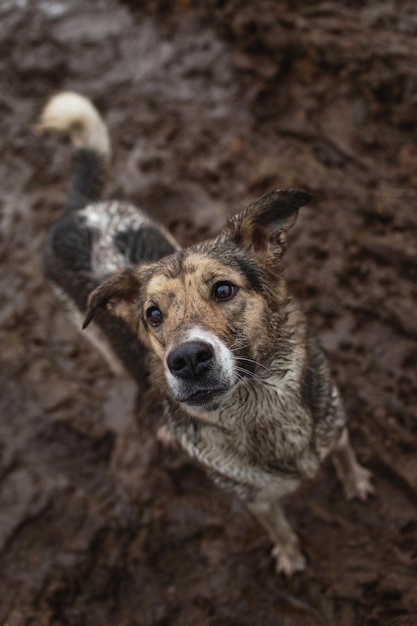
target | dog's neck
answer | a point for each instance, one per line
(267, 410)
(262, 393)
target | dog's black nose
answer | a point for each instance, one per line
(190, 360)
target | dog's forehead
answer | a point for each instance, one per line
(195, 267)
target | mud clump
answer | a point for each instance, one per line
(209, 105)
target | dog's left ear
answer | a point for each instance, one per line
(262, 227)
(118, 294)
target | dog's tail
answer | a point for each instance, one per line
(73, 114)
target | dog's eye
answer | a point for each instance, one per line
(154, 316)
(224, 290)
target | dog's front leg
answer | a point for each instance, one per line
(356, 479)
(267, 508)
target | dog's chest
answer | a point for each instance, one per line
(261, 434)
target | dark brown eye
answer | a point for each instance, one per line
(223, 291)
(153, 316)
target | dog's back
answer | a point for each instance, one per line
(93, 238)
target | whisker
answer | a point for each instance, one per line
(244, 382)
(243, 358)
(239, 344)
(249, 374)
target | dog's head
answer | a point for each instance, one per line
(210, 312)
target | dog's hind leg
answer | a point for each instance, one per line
(267, 509)
(355, 478)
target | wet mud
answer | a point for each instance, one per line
(209, 105)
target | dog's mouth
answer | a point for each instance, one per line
(206, 399)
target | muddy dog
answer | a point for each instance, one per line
(247, 388)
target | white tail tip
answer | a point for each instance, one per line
(72, 113)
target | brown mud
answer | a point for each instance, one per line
(209, 105)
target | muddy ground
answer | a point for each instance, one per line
(209, 105)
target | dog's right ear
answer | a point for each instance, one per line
(118, 294)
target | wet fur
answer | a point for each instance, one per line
(265, 412)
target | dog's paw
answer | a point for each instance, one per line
(288, 559)
(359, 485)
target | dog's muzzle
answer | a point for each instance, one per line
(197, 376)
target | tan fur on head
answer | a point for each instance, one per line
(72, 113)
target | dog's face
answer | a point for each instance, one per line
(201, 316)
(208, 311)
